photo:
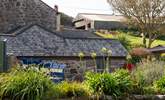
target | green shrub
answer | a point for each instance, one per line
(67, 90)
(162, 57)
(124, 81)
(160, 85)
(24, 85)
(102, 83)
(149, 71)
(137, 45)
(124, 41)
(149, 90)
(135, 59)
(53, 93)
(146, 74)
(73, 89)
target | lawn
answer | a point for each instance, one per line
(133, 39)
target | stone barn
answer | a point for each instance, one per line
(158, 52)
(36, 42)
(17, 13)
(93, 21)
(33, 34)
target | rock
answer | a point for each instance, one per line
(78, 78)
(72, 71)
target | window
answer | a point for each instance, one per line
(100, 64)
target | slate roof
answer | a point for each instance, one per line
(65, 32)
(73, 33)
(157, 49)
(35, 40)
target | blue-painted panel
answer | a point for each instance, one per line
(57, 76)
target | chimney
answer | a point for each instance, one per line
(58, 19)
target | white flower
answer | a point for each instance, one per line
(109, 52)
(104, 50)
(81, 54)
(93, 55)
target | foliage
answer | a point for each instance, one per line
(105, 35)
(31, 84)
(124, 41)
(120, 36)
(115, 84)
(149, 90)
(72, 89)
(66, 20)
(137, 45)
(53, 93)
(26, 84)
(151, 25)
(124, 81)
(146, 73)
(135, 41)
(160, 85)
(162, 57)
(134, 60)
(102, 83)
(66, 90)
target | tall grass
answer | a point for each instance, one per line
(24, 85)
(115, 84)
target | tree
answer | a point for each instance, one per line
(147, 15)
(66, 20)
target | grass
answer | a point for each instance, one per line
(24, 84)
(133, 39)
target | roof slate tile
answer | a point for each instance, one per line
(38, 41)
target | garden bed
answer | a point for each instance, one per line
(131, 97)
(147, 82)
(148, 97)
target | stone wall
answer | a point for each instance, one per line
(109, 25)
(16, 13)
(74, 66)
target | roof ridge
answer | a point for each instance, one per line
(99, 14)
(46, 4)
(77, 29)
(26, 27)
(17, 31)
(90, 38)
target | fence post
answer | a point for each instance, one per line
(3, 56)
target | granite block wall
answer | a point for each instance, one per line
(17, 13)
(74, 67)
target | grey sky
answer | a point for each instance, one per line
(72, 7)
